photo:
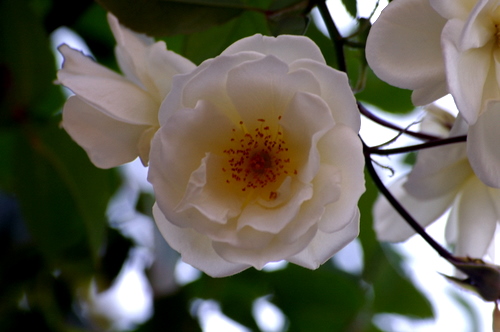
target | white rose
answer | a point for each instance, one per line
(443, 179)
(436, 46)
(258, 159)
(114, 117)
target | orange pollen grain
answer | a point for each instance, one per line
(258, 158)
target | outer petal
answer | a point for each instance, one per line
(107, 141)
(149, 65)
(195, 248)
(438, 171)
(281, 47)
(335, 91)
(403, 47)
(467, 71)
(476, 220)
(325, 245)
(274, 251)
(130, 51)
(341, 148)
(482, 145)
(450, 9)
(388, 223)
(105, 90)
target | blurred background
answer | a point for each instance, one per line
(79, 250)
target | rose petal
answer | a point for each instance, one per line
(130, 51)
(388, 223)
(482, 145)
(163, 65)
(207, 82)
(335, 91)
(273, 252)
(404, 46)
(451, 9)
(306, 119)
(274, 220)
(107, 91)
(263, 88)
(206, 191)
(325, 245)
(108, 142)
(195, 248)
(467, 71)
(179, 146)
(341, 148)
(476, 220)
(478, 28)
(438, 171)
(280, 47)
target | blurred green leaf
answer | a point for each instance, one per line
(235, 294)
(27, 66)
(166, 18)
(322, 300)
(63, 197)
(116, 252)
(388, 98)
(172, 313)
(210, 43)
(351, 7)
(324, 43)
(393, 290)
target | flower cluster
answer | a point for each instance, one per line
(443, 179)
(435, 47)
(254, 155)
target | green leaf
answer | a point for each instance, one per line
(351, 7)
(322, 300)
(210, 43)
(385, 96)
(235, 294)
(63, 197)
(392, 290)
(26, 66)
(167, 18)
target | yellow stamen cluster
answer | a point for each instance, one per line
(257, 159)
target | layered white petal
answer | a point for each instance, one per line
(335, 91)
(285, 47)
(467, 71)
(195, 248)
(324, 245)
(439, 171)
(482, 145)
(133, 100)
(107, 141)
(404, 47)
(476, 219)
(249, 161)
(388, 223)
(105, 90)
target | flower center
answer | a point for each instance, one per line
(258, 159)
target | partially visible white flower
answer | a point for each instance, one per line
(442, 179)
(258, 159)
(114, 117)
(438, 46)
